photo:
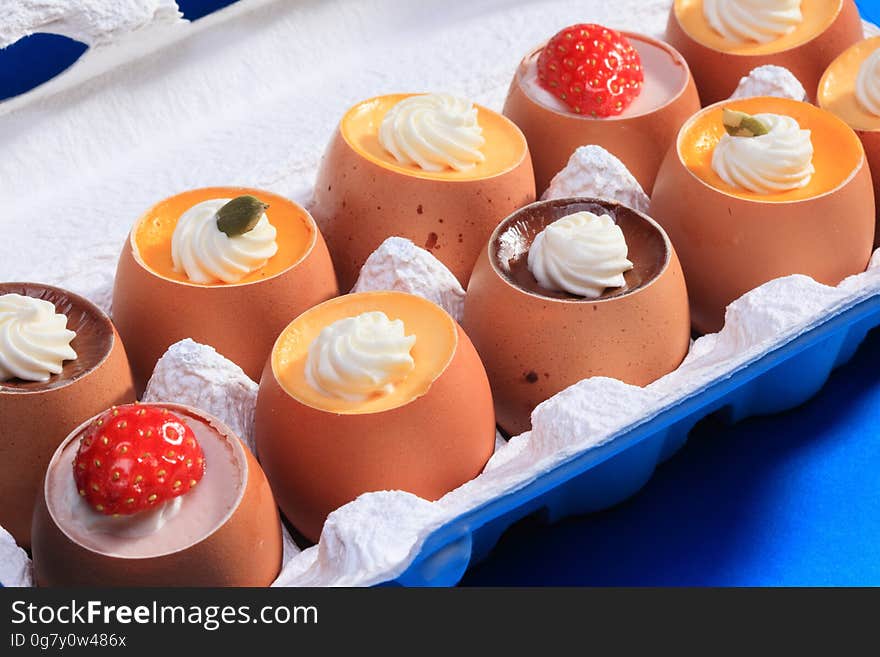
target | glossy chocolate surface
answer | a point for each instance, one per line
(510, 245)
(93, 341)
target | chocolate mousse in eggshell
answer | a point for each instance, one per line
(366, 392)
(61, 361)
(155, 495)
(433, 168)
(723, 40)
(850, 89)
(225, 266)
(572, 288)
(760, 188)
(589, 84)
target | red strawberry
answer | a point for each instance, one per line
(135, 457)
(592, 69)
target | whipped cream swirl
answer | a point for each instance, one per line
(359, 357)
(582, 254)
(779, 161)
(137, 525)
(868, 84)
(433, 131)
(762, 21)
(207, 255)
(34, 339)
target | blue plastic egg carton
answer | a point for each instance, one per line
(611, 473)
(606, 475)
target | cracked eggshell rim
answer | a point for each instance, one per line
(639, 141)
(244, 549)
(241, 320)
(358, 202)
(26, 444)
(717, 73)
(318, 460)
(729, 244)
(636, 337)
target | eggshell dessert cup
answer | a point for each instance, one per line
(362, 197)
(640, 141)
(241, 320)
(534, 346)
(730, 243)
(717, 70)
(428, 442)
(35, 416)
(244, 549)
(837, 95)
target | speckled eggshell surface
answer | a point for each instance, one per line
(534, 346)
(360, 201)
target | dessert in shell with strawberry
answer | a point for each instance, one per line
(590, 84)
(155, 495)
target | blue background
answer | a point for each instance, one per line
(792, 499)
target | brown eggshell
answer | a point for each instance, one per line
(718, 73)
(639, 141)
(729, 245)
(241, 321)
(359, 203)
(844, 66)
(534, 346)
(871, 143)
(245, 550)
(35, 417)
(318, 461)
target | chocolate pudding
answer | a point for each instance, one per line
(93, 341)
(648, 250)
(35, 416)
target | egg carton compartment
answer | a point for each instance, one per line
(248, 96)
(607, 475)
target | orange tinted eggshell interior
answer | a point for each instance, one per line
(818, 17)
(436, 341)
(432, 433)
(153, 234)
(836, 151)
(503, 149)
(838, 85)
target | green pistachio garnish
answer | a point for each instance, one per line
(740, 124)
(240, 215)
